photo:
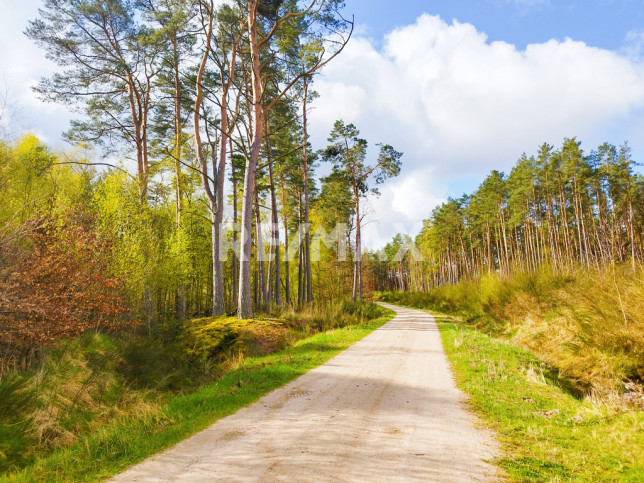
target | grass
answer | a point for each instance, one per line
(548, 433)
(131, 436)
(588, 324)
(554, 363)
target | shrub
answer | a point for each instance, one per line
(57, 286)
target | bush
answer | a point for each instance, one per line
(334, 315)
(58, 286)
(81, 384)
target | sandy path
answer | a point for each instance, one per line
(386, 409)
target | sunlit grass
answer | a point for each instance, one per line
(589, 324)
(548, 433)
(131, 437)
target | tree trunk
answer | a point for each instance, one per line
(287, 273)
(275, 237)
(180, 301)
(235, 238)
(307, 252)
(274, 284)
(177, 131)
(219, 301)
(357, 263)
(300, 268)
(214, 194)
(245, 306)
(261, 270)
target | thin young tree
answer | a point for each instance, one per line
(348, 152)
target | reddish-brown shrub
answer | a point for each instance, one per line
(54, 283)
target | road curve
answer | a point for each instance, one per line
(386, 409)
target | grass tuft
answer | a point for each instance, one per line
(98, 403)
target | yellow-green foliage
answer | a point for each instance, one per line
(333, 315)
(83, 385)
(32, 184)
(592, 327)
(589, 324)
(213, 336)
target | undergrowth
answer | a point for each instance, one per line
(547, 432)
(587, 324)
(82, 385)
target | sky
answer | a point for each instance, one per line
(461, 87)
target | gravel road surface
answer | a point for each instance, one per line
(385, 409)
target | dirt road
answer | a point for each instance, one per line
(386, 409)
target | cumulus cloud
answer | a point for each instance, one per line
(24, 63)
(455, 103)
(458, 105)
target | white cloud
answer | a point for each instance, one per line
(634, 44)
(401, 207)
(23, 64)
(458, 105)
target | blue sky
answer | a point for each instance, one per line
(461, 87)
(601, 23)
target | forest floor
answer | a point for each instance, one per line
(386, 409)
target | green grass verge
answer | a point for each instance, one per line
(547, 433)
(115, 447)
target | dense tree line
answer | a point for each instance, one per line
(192, 175)
(563, 208)
(159, 77)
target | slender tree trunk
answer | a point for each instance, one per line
(180, 301)
(563, 211)
(235, 220)
(307, 252)
(276, 239)
(245, 306)
(214, 194)
(631, 234)
(219, 301)
(275, 233)
(301, 278)
(287, 270)
(261, 271)
(177, 131)
(490, 261)
(357, 264)
(135, 113)
(578, 223)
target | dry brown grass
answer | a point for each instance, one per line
(588, 325)
(591, 329)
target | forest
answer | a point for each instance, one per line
(561, 208)
(191, 250)
(191, 189)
